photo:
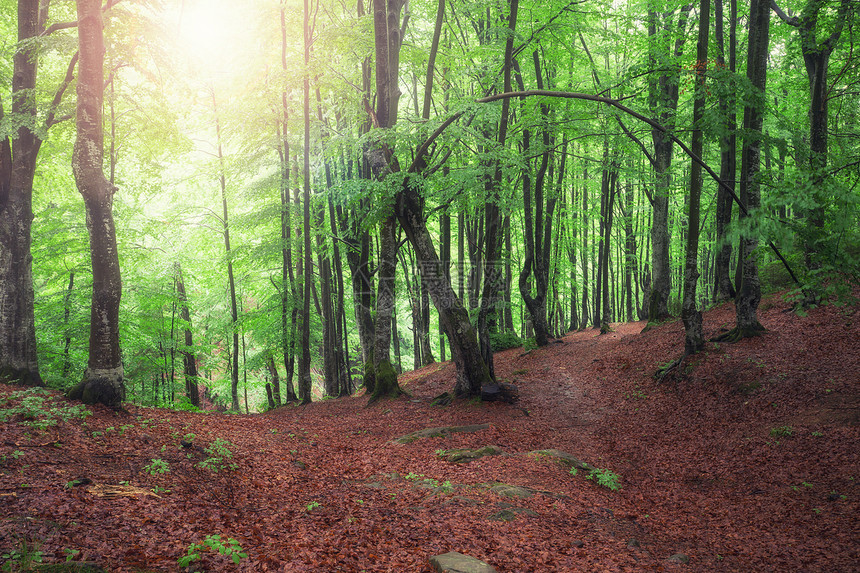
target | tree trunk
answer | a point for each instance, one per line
(307, 279)
(67, 309)
(231, 279)
(103, 379)
(18, 361)
(488, 316)
(723, 287)
(663, 95)
(189, 360)
(749, 288)
(380, 377)
(816, 59)
(693, 338)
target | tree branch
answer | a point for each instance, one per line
(51, 119)
(790, 20)
(418, 164)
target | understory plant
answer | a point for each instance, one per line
(220, 456)
(606, 478)
(229, 547)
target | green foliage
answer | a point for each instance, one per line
(24, 557)
(606, 478)
(39, 408)
(220, 457)
(782, 431)
(157, 467)
(530, 344)
(504, 340)
(312, 506)
(444, 487)
(229, 547)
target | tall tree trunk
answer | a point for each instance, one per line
(231, 279)
(693, 338)
(723, 287)
(583, 324)
(18, 360)
(538, 221)
(488, 316)
(816, 59)
(307, 278)
(380, 377)
(748, 285)
(663, 95)
(612, 186)
(103, 379)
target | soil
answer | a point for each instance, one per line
(745, 458)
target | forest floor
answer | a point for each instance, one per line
(747, 460)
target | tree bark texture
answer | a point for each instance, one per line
(18, 361)
(749, 287)
(103, 379)
(692, 317)
(664, 102)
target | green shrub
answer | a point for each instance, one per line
(504, 340)
(220, 457)
(230, 548)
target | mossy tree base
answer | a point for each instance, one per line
(24, 377)
(738, 333)
(385, 382)
(100, 387)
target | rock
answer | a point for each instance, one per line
(463, 456)
(678, 558)
(577, 543)
(453, 562)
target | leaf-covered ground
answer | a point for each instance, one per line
(746, 460)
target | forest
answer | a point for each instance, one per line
(413, 285)
(240, 205)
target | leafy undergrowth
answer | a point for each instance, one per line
(746, 460)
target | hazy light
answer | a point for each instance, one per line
(217, 35)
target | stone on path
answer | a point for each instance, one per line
(453, 562)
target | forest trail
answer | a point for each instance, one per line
(747, 461)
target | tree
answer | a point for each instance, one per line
(103, 378)
(663, 98)
(18, 158)
(380, 376)
(816, 58)
(748, 284)
(228, 252)
(692, 317)
(189, 359)
(723, 287)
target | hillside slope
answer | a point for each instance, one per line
(748, 460)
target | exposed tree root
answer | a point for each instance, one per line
(739, 333)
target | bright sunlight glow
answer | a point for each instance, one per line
(216, 35)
